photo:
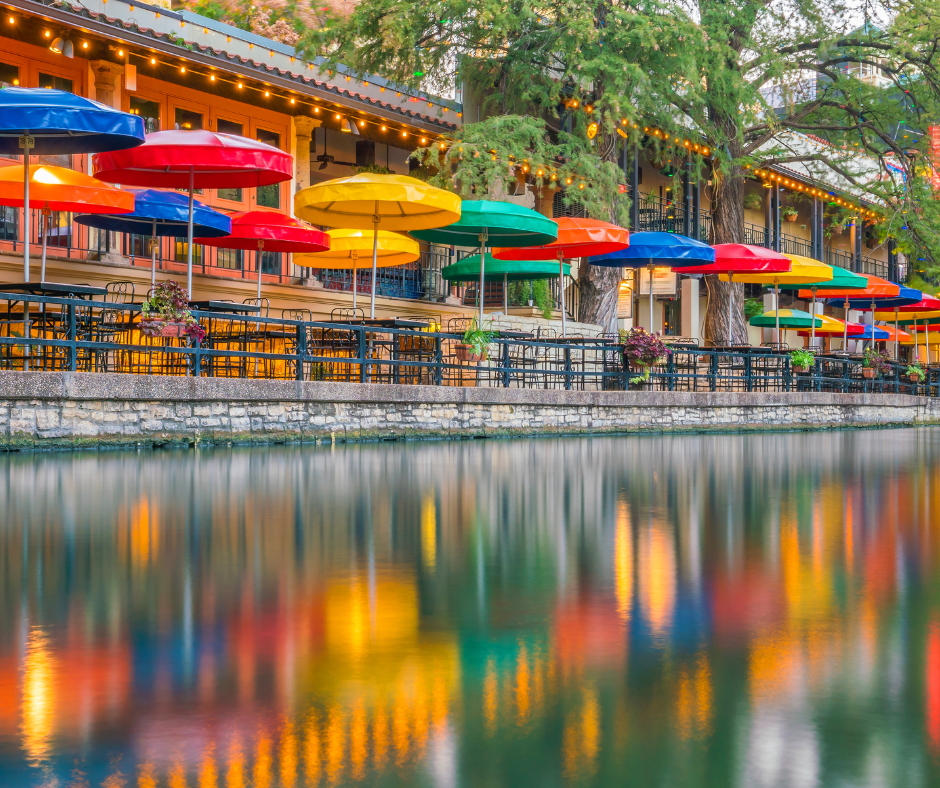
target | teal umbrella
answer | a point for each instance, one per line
(787, 318)
(505, 271)
(486, 222)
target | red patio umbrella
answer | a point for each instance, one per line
(192, 160)
(734, 259)
(576, 238)
(272, 231)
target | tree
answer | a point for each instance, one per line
(734, 75)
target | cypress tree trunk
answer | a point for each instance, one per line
(724, 317)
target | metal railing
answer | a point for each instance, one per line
(62, 334)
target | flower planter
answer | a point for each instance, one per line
(914, 378)
(175, 330)
(466, 353)
(792, 218)
(800, 370)
(869, 373)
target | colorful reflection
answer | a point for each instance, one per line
(753, 610)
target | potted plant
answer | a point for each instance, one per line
(752, 308)
(789, 213)
(753, 201)
(802, 361)
(472, 347)
(915, 373)
(643, 350)
(166, 314)
(876, 363)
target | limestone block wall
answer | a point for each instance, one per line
(74, 410)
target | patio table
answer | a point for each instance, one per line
(53, 289)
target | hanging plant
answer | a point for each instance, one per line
(166, 314)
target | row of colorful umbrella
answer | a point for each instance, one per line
(363, 210)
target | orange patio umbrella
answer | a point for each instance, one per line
(60, 189)
(576, 238)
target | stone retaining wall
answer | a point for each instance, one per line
(72, 410)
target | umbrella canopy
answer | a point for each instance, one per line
(61, 122)
(927, 308)
(786, 318)
(880, 335)
(803, 270)
(193, 160)
(743, 258)
(468, 270)
(875, 286)
(485, 222)
(347, 247)
(576, 238)
(658, 249)
(178, 159)
(502, 223)
(60, 189)
(842, 279)
(270, 231)
(44, 121)
(927, 333)
(906, 296)
(832, 326)
(396, 201)
(372, 201)
(894, 334)
(163, 214)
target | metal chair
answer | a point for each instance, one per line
(349, 315)
(119, 293)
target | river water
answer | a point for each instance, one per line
(753, 610)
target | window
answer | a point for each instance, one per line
(271, 263)
(187, 119)
(269, 196)
(149, 111)
(59, 83)
(9, 224)
(180, 248)
(229, 258)
(9, 75)
(230, 127)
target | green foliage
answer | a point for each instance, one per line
(879, 360)
(753, 307)
(917, 371)
(789, 210)
(520, 293)
(802, 359)
(478, 337)
(753, 201)
(377, 169)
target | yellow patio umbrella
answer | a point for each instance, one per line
(373, 201)
(347, 246)
(803, 271)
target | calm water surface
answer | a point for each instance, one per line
(685, 611)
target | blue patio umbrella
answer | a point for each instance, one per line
(658, 249)
(880, 334)
(45, 121)
(161, 214)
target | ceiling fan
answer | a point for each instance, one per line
(326, 159)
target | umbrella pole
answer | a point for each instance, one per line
(44, 228)
(730, 308)
(652, 327)
(916, 351)
(777, 310)
(153, 256)
(845, 338)
(896, 353)
(561, 293)
(189, 238)
(482, 266)
(26, 148)
(355, 279)
(506, 293)
(375, 256)
(258, 266)
(812, 340)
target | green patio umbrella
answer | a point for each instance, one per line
(486, 222)
(505, 271)
(786, 318)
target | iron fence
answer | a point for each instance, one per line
(58, 334)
